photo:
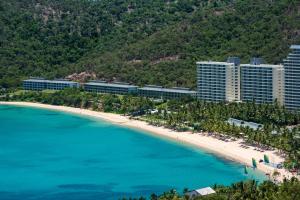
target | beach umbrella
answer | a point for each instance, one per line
(266, 159)
(254, 164)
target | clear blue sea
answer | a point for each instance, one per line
(54, 155)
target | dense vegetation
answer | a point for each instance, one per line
(142, 42)
(190, 114)
(250, 190)
(46, 37)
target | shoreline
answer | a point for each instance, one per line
(228, 150)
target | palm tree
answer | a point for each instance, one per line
(275, 175)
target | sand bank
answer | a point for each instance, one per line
(230, 150)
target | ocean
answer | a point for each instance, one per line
(47, 154)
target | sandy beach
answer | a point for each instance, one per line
(230, 150)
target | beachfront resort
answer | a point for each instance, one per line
(158, 100)
(220, 82)
(120, 88)
(226, 127)
(228, 81)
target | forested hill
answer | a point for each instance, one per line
(143, 42)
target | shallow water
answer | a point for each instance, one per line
(55, 155)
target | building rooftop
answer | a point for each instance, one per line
(235, 60)
(214, 63)
(97, 81)
(37, 78)
(175, 89)
(48, 81)
(205, 191)
(295, 47)
(256, 61)
(181, 88)
(262, 65)
(200, 192)
(119, 85)
(242, 123)
(154, 86)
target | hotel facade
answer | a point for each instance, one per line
(112, 88)
(158, 92)
(218, 81)
(262, 83)
(42, 84)
(231, 81)
(120, 88)
(292, 79)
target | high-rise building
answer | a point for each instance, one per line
(218, 81)
(236, 77)
(262, 83)
(292, 79)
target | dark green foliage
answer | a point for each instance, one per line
(249, 190)
(79, 99)
(244, 28)
(46, 37)
(144, 42)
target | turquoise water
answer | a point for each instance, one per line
(55, 155)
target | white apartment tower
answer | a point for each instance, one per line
(218, 81)
(262, 83)
(292, 79)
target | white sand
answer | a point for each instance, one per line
(230, 150)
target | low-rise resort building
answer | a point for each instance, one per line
(241, 123)
(43, 84)
(120, 88)
(158, 92)
(112, 88)
(200, 192)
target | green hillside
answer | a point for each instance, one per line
(143, 42)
